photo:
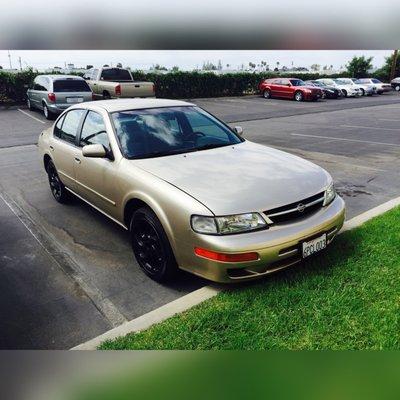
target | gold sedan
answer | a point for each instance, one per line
(190, 190)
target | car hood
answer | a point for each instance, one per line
(241, 178)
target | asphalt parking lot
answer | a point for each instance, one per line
(68, 274)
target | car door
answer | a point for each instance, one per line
(95, 177)
(276, 88)
(63, 146)
(286, 88)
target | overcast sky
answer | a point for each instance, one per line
(144, 59)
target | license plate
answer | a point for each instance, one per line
(313, 246)
(74, 99)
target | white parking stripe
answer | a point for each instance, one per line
(388, 119)
(347, 140)
(31, 116)
(371, 127)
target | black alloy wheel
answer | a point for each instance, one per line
(57, 188)
(151, 247)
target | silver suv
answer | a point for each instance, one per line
(54, 93)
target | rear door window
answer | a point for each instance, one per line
(116, 75)
(70, 85)
(70, 126)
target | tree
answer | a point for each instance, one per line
(89, 66)
(208, 66)
(219, 65)
(384, 71)
(358, 67)
(175, 68)
(315, 67)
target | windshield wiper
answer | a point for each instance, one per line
(155, 154)
(211, 146)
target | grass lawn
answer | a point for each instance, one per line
(346, 298)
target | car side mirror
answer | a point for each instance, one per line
(94, 151)
(238, 130)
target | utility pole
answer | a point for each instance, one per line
(394, 62)
(9, 59)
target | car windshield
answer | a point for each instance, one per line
(320, 84)
(70, 85)
(116, 75)
(297, 82)
(158, 132)
(342, 82)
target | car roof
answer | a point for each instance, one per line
(133, 104)
(58, 77)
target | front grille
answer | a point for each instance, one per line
(291, 212)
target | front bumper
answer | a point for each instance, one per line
(278, 247)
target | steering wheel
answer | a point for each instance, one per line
(194, 135)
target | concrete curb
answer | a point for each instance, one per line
(192, 299)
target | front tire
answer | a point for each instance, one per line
(58, 190)
(362, 92)
(397, 88)
(298, 96)
(151, 246)
(344, 93)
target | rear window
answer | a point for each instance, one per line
(70, 85)
(116, 75)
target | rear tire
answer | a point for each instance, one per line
(58, 190)
(362, 92)
(267, 94)
(151, 246)
(344, 93)
(29, 104)
(47, 113)
(106, 95)
(397, 88)
(298, 96)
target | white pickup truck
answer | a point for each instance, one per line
(111, 82)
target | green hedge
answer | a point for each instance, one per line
(179, 85)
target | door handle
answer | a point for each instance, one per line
(51, 148)
(137, 85)
(77, 160)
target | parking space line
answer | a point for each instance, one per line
(347, 140)
(102, 304)
(31, 116)
(388, 119)
(371, 127)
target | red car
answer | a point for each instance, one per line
(291, 88)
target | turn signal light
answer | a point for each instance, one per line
(225, 257)
(52, 97)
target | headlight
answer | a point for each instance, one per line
(307, 91)
(330, 194)
(228, 225)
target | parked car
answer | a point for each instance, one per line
(347, 90)
(291, 88)
(366, 89)
(54, 93)
(380, 87)
(396, 84)
(109, 82)
(329, 92)
(190, 190)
